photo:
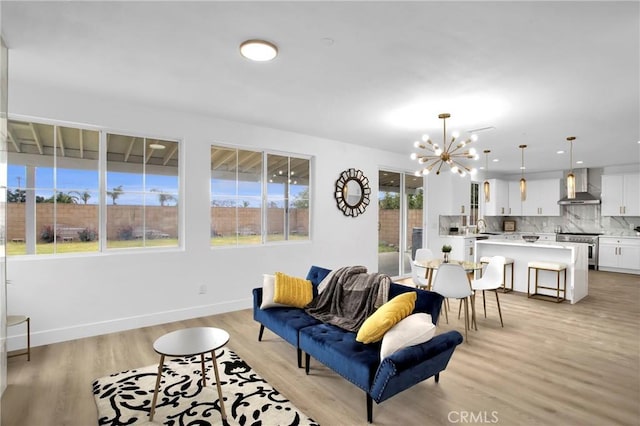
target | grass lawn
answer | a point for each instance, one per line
(14, 249)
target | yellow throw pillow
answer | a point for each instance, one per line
(387, 315)
(292, 291)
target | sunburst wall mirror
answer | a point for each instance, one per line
(352, 192)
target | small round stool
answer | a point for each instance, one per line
(17, 320)
(508, 261)
(547, 266)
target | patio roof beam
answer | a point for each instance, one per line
(60, 140)
(128, 153)
(36, 138)
(12, 139)
(169, 154)
(81, 142)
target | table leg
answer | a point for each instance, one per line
(155, 392)
(204, 378)
(215, 370)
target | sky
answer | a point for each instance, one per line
(80, 180)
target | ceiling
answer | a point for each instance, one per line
(368, 73)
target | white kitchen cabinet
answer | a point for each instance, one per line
(620, 195)
(462, 248)
(498, 204)
(515, 204)
(460, 195)
(542, 198)
(619, 254)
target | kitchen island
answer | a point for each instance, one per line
(574, 255)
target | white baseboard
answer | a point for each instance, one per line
(18, 339)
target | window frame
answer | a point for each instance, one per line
(102, 202)
(264, 200)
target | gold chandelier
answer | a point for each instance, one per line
(523, 181)
(486, 185)
(571, 178)
(450, 153)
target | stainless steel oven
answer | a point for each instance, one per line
(590, 239)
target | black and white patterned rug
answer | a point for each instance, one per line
(125, 398)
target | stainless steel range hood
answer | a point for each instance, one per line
(582, 187)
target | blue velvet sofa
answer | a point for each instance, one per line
(357, 362)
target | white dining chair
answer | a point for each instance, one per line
(453, 282)
(418, 273)
(492, 280)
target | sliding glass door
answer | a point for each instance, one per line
(400, 197)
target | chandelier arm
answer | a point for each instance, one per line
(460, 165)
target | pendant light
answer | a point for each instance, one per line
(571, 178)
(486, 185)
(523, 181)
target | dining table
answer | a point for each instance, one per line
(431, 265)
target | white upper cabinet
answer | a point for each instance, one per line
(542, 198)
(515, 205)
(621, 195)
(498, 204)
(460, 195)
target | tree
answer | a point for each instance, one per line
(84, 195)
(163, 197)
(115, 193)
(390, 201)
(61, 198)
(301, 201)
(19, 196)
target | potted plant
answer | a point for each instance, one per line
(446, 249)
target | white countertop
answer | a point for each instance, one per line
(545, 244)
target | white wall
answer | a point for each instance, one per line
(70, 297)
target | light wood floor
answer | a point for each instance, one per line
(550, 365)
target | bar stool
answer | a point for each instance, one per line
(17, 320)
(484, 260)
(547, 266)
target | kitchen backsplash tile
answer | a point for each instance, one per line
(584, 219)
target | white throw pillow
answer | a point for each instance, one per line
(412, 330)
(268, 291)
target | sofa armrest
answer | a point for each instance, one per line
(257, 297)
(413, 364)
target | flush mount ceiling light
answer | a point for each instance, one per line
(571, 178)
(450, 152)
(258, 50)
(156, 146)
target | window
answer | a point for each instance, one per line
(55, 197)
(258, 197)
(142, 192)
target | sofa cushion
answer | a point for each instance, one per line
(339, 350)
(316, 274)
(285, 322)
(268, 283)
(292, 291)
(385, 317)
(413, 330)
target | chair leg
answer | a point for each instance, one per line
(466, 319)
(29, 331)
(369, 409)
(473, 322)
(459, 308)
(446, 315)
(484, 304)
(299, 357)
(307, 363)
(499, 310)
